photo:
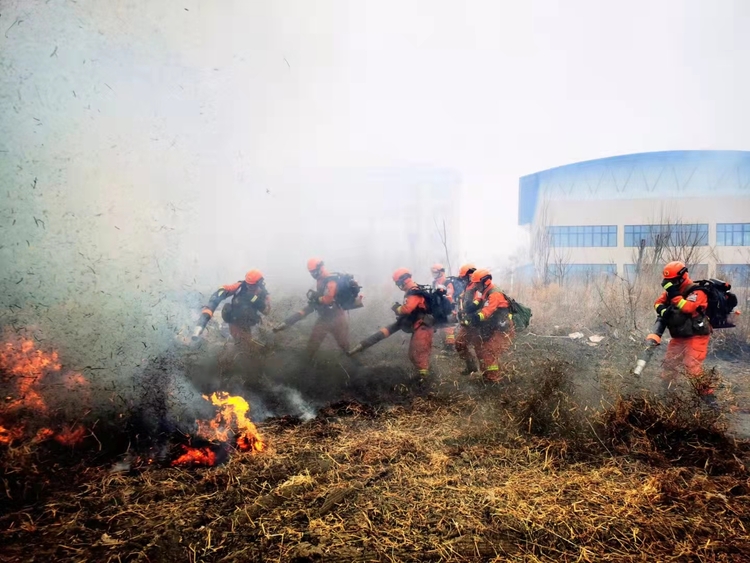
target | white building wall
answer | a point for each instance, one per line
(685, 187)
(621, 212)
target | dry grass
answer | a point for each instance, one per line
(445, 478)
(523, 472)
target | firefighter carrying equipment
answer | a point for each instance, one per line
(494, 314)
(489, 329)
(413, 312)
(249, 302)
(333, 294)
(518, 313)
(347, 291)
(438, 306)
(695, 308)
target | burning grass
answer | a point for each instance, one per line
(447, 477)
(461, 472)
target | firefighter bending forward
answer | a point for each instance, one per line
(465, 304)
(411, 314)
(440, 279)
(493, 323)
(331, 317)
(250, 300)
(683, 307)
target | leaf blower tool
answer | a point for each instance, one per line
(201, 326)
(373, 339)
(653, 339)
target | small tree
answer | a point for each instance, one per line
(669, 239)
(541, 245)
(443, 235)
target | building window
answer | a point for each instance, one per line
(560, 272)
(736, 274)
(697, 271)
(733, 234)
(598, 235)
(666, 235)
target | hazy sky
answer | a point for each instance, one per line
(131, 105)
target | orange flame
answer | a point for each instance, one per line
(44, 434)
(70, 436)
(29, 367)
(8, 435)
(232, 414)
(196, 456)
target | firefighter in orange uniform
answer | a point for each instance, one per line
(683, 307)
(250, 300)
(331, 317)
(412, 313)
(493, 323)
(464, 304)
(440, 279)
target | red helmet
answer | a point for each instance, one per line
(401, 275)
(253, 277)
(437, 268)
(481, 275)
(466, 269)
(314, 264)
(675, 270)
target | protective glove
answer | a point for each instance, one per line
(279, 327)
(312, 296)
(673, 291)
(661, 309)
(395, 307)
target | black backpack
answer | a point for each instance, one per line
(437, 303)
(347, 291)
(245, 308)
(459, 285)
(721, 301)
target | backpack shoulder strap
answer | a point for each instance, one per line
(421, 290)
(700, 285)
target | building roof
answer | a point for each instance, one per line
(642, 175)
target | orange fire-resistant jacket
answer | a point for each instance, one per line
(414, 307)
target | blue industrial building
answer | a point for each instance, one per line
(597, 213)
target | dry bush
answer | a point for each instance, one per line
(435, 480)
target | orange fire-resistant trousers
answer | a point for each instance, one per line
(450, 336)
(243, 338)
(686, 355)
(490, 350)
(462, 341)
(334, 323)
(420, 347)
